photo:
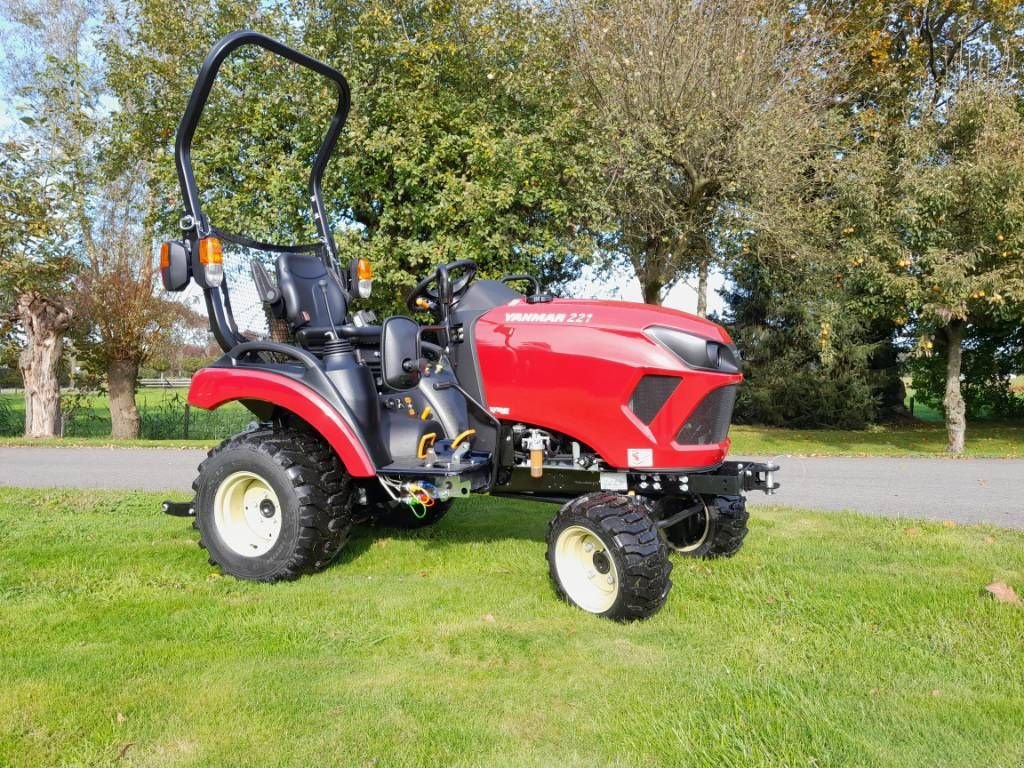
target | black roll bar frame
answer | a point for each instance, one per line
(195, 223)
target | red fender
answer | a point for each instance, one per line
(212, 387)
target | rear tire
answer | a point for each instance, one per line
(718, 530)
(272, 505)
(606, 557)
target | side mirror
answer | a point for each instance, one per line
(400, 353)
(174, 269)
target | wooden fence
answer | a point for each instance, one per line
(163, 383)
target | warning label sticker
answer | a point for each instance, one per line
(639, 457)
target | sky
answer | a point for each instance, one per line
(624, 286)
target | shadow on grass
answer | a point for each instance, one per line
(477, 520)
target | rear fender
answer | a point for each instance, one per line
(212, 387)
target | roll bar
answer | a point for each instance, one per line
(194, 110)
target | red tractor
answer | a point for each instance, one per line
(619, 412)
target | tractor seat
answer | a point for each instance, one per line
(315, 304)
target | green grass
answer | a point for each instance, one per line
(101, 442)
(163, 417)
(162, 412)
(830, 640)
(984, 440)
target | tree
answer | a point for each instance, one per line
(460, 143)
(898, 56)
(993, 351)
(695, 104)
(33, 281)
(463, 141)
(107, 215)
(950, 251)
(805, 363)
(123, 317)
(892, 68)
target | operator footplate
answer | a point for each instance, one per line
(475, 468)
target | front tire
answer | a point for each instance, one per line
(272, 505)
(717, 529)
(606, 557)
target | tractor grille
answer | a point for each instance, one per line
(709, 422)
(650, 394)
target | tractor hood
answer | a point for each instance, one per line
(643, 386)
(612, 316)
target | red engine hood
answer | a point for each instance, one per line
(573, 366)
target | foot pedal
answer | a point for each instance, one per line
(180, 508)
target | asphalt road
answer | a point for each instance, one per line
(965, 490)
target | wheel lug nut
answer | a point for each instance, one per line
(611, 580)
(588, 547)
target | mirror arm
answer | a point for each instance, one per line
(444, 289)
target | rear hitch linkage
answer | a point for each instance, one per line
(180, 508)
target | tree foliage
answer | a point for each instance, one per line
(460, 143)
(855, 167)
(109, 262)
(33, 246)
(936, 240)
(699, 108)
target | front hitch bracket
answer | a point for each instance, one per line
(731, 478)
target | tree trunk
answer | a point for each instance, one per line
(43, 321)
(124, 415)
(702, 287)
(652, 291)
(956, 418)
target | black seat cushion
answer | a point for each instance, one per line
(308, 290)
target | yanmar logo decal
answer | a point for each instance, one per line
(548, 317)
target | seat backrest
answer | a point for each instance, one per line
(307, 290)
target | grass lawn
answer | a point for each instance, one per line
(984, 440)
(163, 418)
(162, 412)
(101, 442)
(830, 640)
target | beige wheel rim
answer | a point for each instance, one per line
(703, 530)
(247, 514)
(586, 569)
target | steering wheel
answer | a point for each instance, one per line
(442, 288)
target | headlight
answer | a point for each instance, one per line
(696, 351)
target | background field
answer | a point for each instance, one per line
(163, 422)
(162, 411)
(830, 640)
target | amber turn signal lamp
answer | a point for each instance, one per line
(211, 251)
(363, 278)
(211, 256)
